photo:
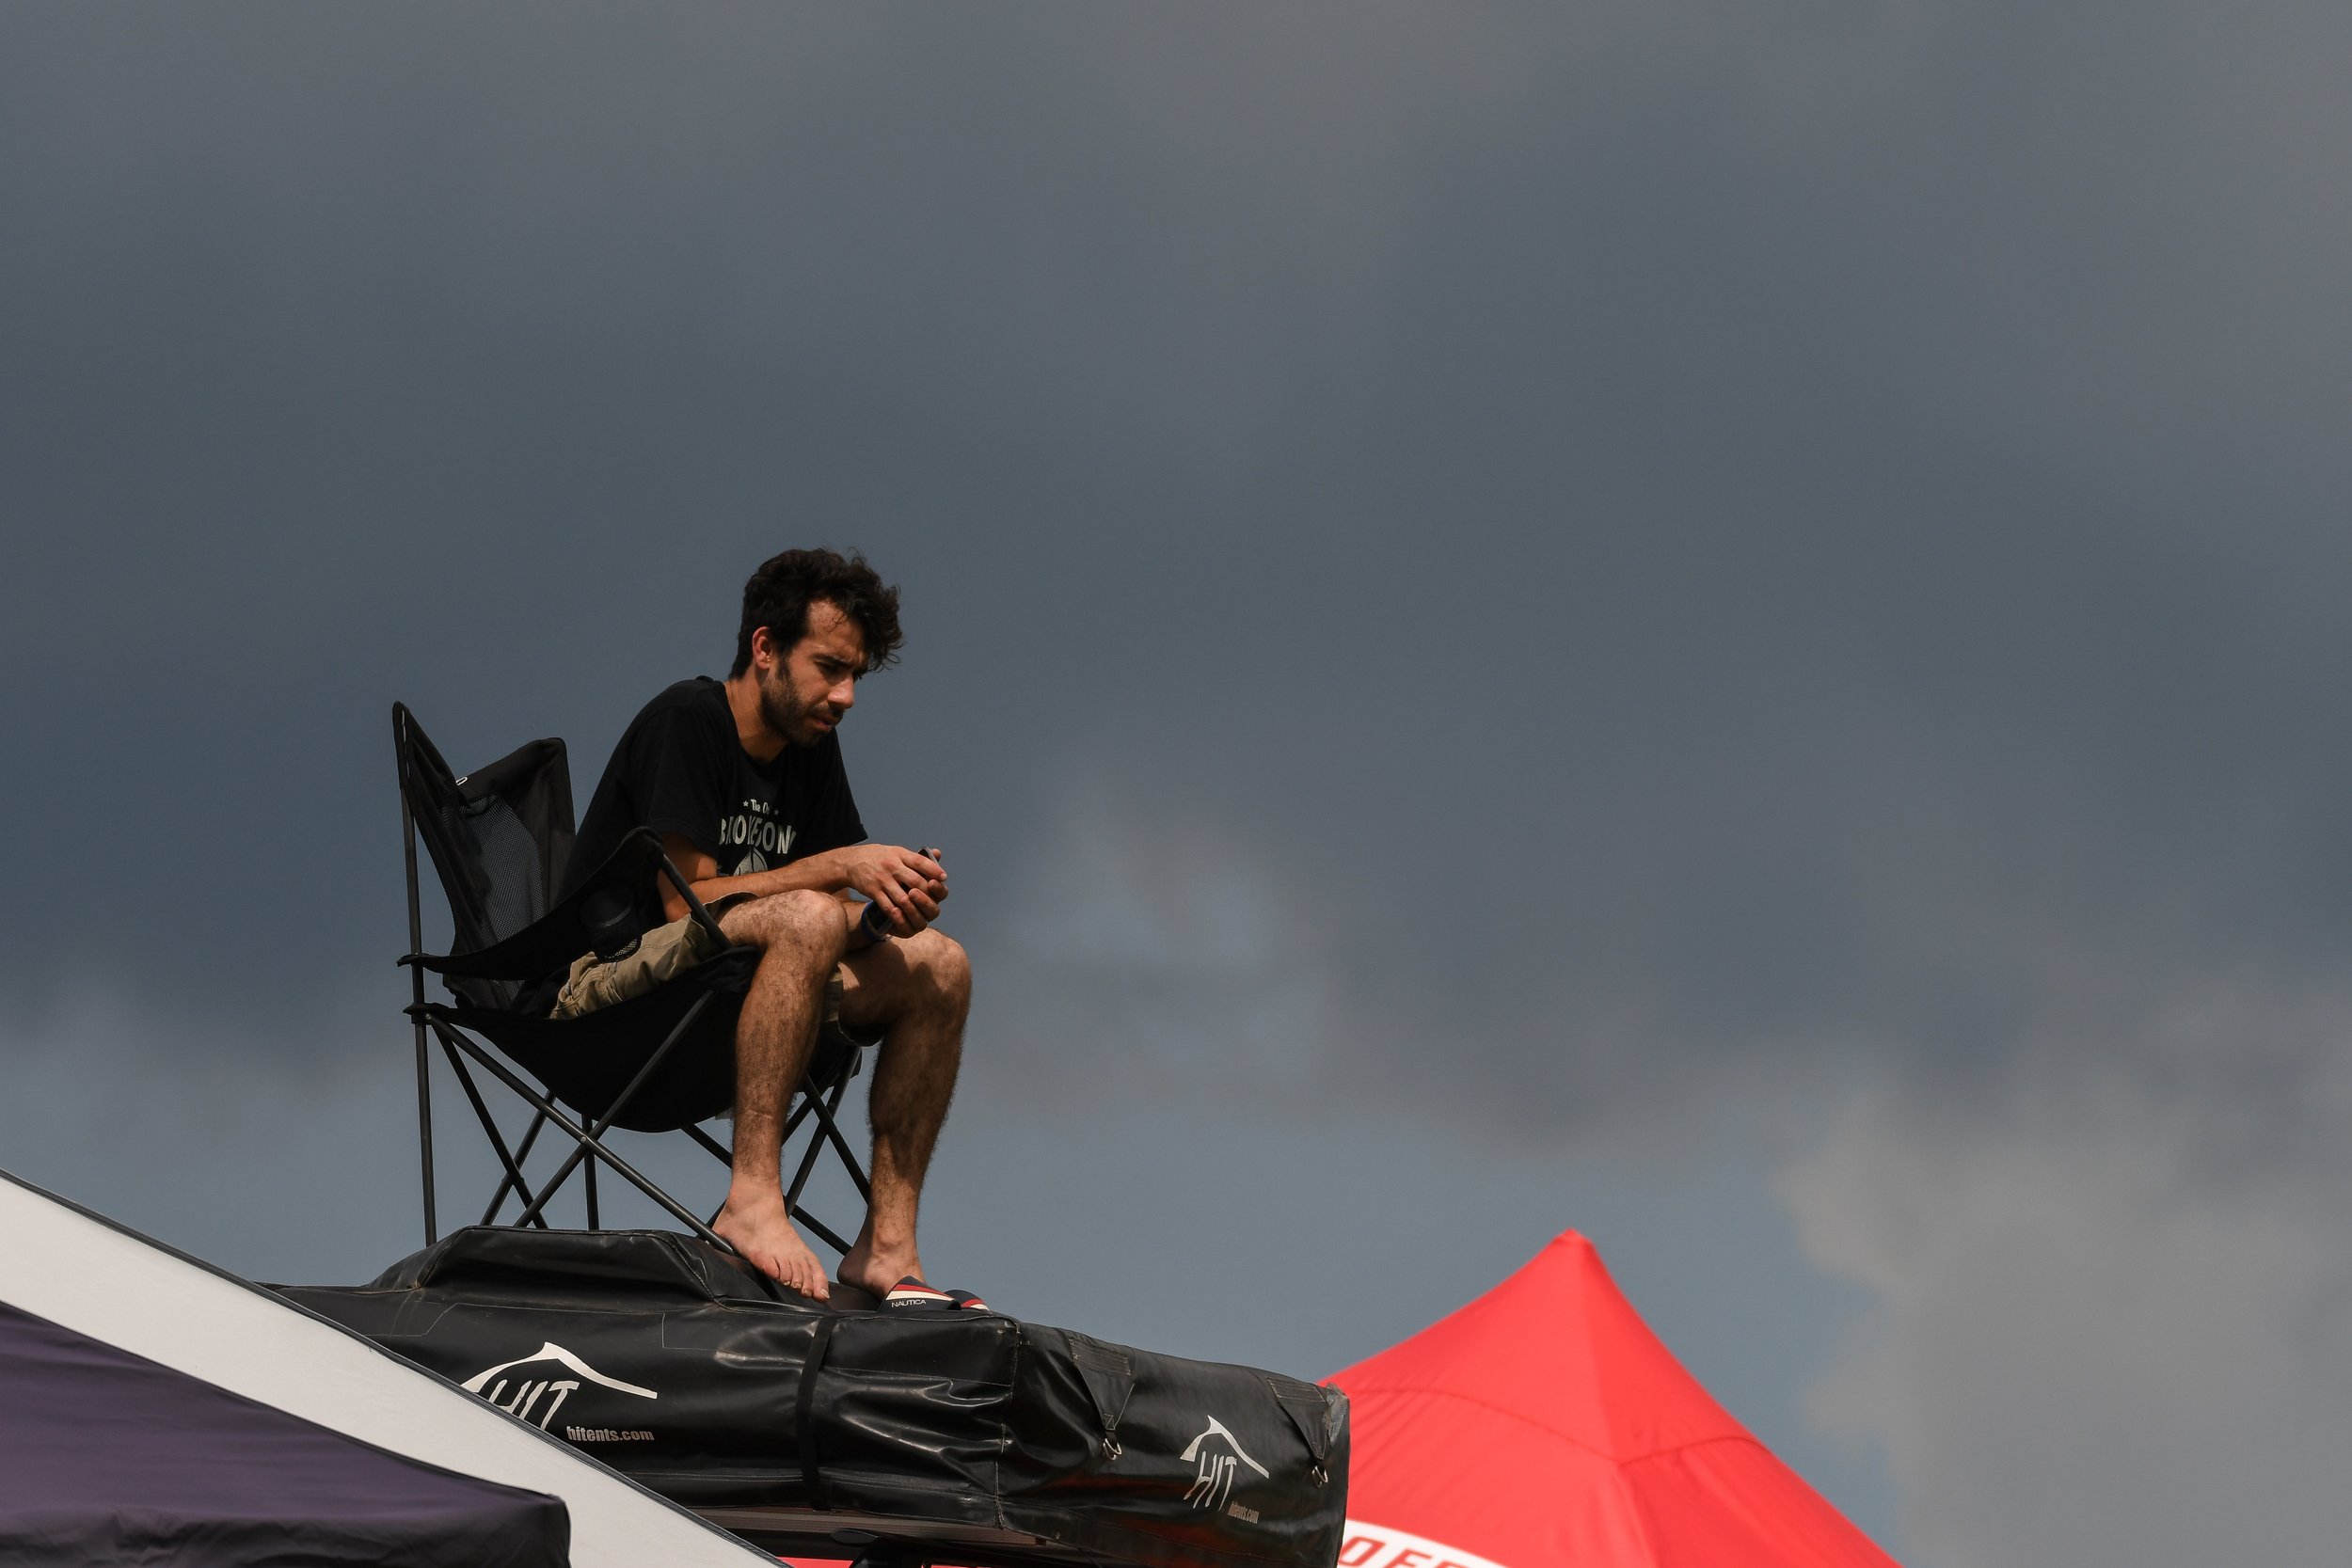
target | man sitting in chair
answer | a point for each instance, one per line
(742, 779)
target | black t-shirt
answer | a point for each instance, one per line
(679, 768)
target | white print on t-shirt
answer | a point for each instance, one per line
(758, 832)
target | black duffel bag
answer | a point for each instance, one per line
(680, 1367)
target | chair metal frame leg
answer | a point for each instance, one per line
(513, 1162)
(826, 1107)
(522, 1157)
(416, 978)
(832, 1130)
(578, 1135)
(612, 1112)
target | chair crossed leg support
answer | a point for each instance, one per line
(604, 1124)
(522, 1153)
(513, 1181)
(587, 1140)
(823, 1103)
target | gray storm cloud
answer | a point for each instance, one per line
(1547, 569)
(2087, 1349)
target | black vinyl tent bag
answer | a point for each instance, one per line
(674, 1364)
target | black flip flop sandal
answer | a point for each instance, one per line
(912, 1295)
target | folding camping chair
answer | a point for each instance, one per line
(661, 1062)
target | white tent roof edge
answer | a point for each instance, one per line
(77, 1268)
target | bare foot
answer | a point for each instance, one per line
(875, 1269)
(757, 1228)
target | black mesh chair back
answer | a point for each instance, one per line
(499, 838)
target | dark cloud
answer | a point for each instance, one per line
(1702, 532)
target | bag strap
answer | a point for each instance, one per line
(805, 1413)
(1110, 1380)
(1314, 1411)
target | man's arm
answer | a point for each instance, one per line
(905, 885)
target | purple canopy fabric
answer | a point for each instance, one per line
(107, 1457)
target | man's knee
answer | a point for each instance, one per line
(803, 918)
(941, 961)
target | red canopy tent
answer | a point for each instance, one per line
(1545, 1426)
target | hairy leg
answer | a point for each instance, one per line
(801, 937)
(917, 991)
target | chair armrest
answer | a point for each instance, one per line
(588, 918)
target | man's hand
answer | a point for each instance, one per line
(906, 885)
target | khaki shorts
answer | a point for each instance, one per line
(661, 955)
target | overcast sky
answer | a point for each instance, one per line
(1718, 625)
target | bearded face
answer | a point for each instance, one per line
(805, 694)
(781, 709)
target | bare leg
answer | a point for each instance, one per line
(801, 937)
(918, 989)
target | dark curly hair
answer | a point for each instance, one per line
(780, 592)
